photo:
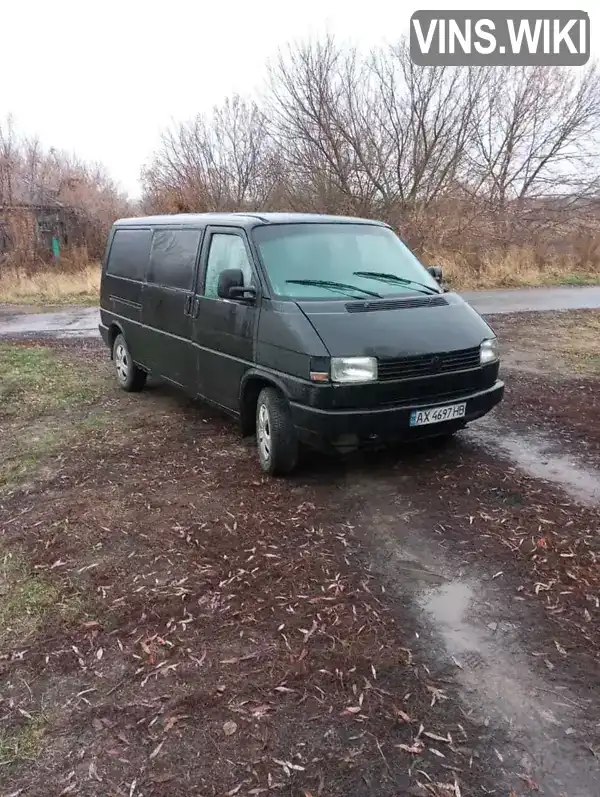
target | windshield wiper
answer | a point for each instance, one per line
(341, 286)
(383, 277)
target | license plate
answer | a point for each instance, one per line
(438, 414)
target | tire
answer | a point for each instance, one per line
(129, 376)
(275, 434)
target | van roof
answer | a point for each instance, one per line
(246, 220)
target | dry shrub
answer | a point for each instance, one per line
(514, 266)
(494, 172)
(76, 258)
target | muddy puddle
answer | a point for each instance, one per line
(542, 729)
(540, 456)
(72, 322)
(470, 627)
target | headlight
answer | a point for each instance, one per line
(353, 369)
(489, 351)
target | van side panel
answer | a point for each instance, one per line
(167, 301)
(121, 293)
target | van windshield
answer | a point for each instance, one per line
(329, 260)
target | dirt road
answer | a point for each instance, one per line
(423, 621)
(83, 321)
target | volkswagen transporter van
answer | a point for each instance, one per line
(311, 330)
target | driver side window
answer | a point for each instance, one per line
(227, 250)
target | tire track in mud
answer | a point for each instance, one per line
(474, 626)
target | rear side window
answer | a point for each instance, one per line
(129, 253)
(174, 257)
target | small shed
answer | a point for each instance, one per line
(31, 231)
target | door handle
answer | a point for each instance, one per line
(187, 309)
(196, 307)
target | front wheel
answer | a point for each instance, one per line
(275, 434)
(129, 376)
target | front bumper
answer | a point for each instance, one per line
(341, 429)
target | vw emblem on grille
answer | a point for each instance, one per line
(435, 363)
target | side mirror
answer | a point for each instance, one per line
(436, 273)
(231, 286)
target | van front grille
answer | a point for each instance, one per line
(428, 364)
(444, 387)
(439, 388)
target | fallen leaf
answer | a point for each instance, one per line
(229, 728)
(261, 710)
(401, 714)
(170, 721)
(415, 749)
(531, 784)
(93, 772)
(287, 765)
(156, 750)
(438, 738)
(560, 648)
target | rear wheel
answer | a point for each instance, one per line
(129, 376)
(275, 434)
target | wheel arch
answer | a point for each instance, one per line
(252, 383)
(114, 329)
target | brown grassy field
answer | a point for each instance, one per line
(513, 268)
(17, 286)
(79, 283)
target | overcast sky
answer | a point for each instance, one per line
(103, 79)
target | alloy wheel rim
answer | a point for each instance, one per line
(122, 362)
(264, 432)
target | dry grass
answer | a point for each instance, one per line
(570, 341)
(46, 400)
(82, 286)
(515, 267)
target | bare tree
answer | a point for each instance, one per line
(453, 157)
(427, 119)
(535, 133)
(320, 103)
(221, 162)
(9, 160)
(29, 174)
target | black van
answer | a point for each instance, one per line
(310, 329)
